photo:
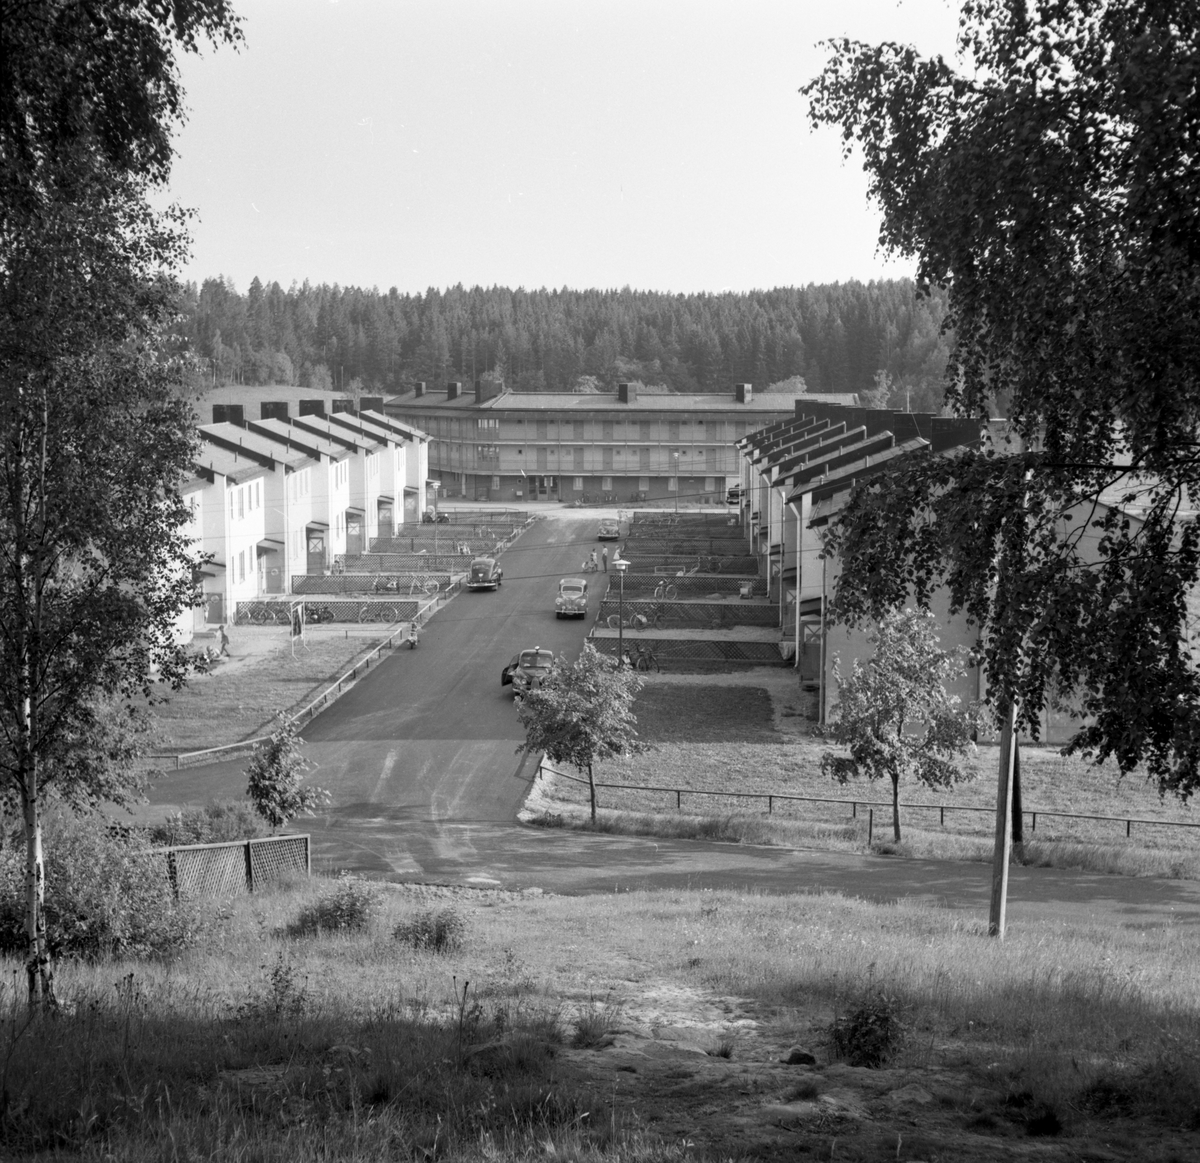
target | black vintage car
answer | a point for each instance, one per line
(485, 574)
(527, 671)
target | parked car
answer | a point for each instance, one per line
(485, 574)
(527, 671)
(572, 598)
(609, 531)
(733, 495)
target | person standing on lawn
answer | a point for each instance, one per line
(604, 558)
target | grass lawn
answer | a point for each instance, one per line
(730, 738)
(640, 1028)
(239, 699)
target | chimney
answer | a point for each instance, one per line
(743, 392)
(312, 408)
(453, 389)
(626, 393)
(419, 388)
(342, 406)
(229, 414)
(370, 403)
(486, 390)
(273, 410)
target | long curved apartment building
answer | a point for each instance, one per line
(625, 446)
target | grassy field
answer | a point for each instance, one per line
(722, 738)
(239, 699)
(640, 1027)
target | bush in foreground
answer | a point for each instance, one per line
(432, 930)
(219, 821)
(349, 907)
(104, 894)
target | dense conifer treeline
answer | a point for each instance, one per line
(880, 339)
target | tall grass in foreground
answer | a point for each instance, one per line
(355, 1045)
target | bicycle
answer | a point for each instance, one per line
(426, 585)
(385, 584)
(636, 622)
(644, 659)
(665, 593)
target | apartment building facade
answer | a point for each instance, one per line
(626, 446)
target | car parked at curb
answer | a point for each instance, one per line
(484, 574)
(527, 671)
(572, 598)
(609, 531)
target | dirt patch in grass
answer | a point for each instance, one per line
(674, 713)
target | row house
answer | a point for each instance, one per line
(799, 473)
(625, 446)
(796, 475)
(227, 497)
(317, 487)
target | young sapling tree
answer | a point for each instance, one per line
(583, 713)
(274, 776)
(895, 714)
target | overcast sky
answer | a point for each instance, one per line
(659, 144)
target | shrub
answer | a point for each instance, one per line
(870, 1033)
(433, 930)
(349, 907)
(104, 894)
(595, 1024)
(215, 823)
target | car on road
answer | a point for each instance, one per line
(572, 598)
(527, 671)
(609, 531)
(734, 495)
(484, 574)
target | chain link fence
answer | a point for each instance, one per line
(236, 867)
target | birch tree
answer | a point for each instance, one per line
(94, 563)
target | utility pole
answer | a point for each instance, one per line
(1004, 809)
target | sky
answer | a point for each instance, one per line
(657, 144)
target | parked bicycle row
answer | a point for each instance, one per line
(406, 584)
(283, 612)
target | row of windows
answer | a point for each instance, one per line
(579, 429)
(245, 499)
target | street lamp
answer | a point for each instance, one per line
(676, 456)
(436, 486)
(620, 565)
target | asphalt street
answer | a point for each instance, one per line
(422, 757)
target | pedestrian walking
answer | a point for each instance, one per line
(223, 639)
(604, 555)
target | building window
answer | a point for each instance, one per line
(241, 503)
(242, 566)
(579, 484)
(487, 451)
(495, 482)
(670, 484)
(606, 483)
(710, 483)
(644, 484)
(489, 422)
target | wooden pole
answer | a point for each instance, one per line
(1004, 805)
